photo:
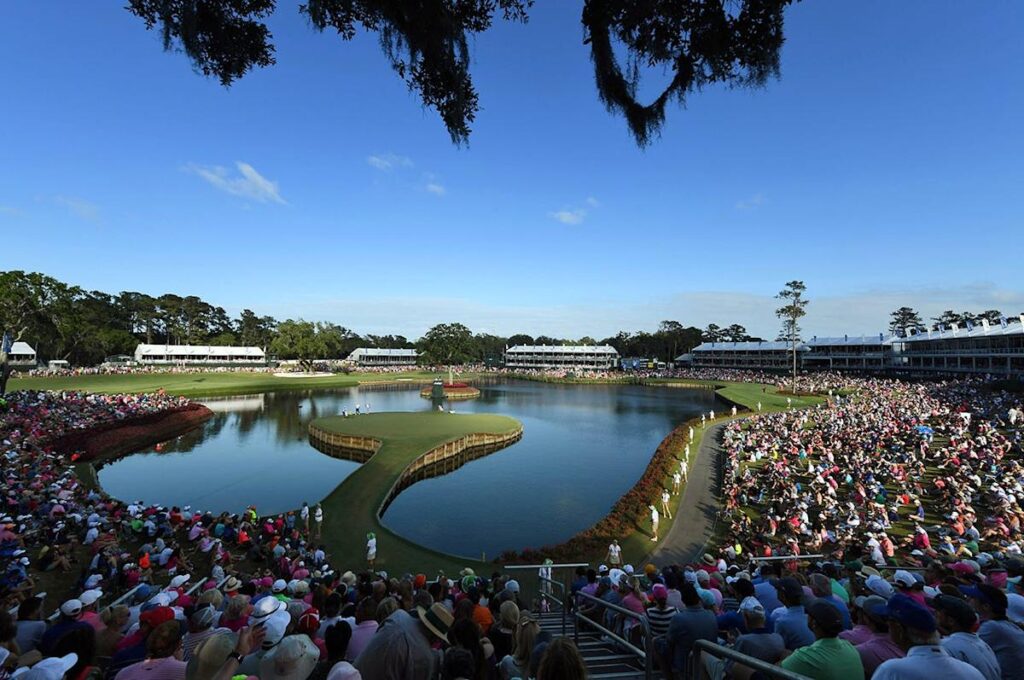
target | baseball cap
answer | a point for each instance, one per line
(907, 612)
(659, 591)
(752, 604)
(790, 587)
(72, 607)
(50, 668)
(90, 596)
(826, 615)
(904, 578)
(868, 603)
(154, 617)
(279, 585)
(879, 586)
(990, 595)
(958, 608)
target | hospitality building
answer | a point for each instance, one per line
(754, 354)
(996, 349)
(596, 357)
(867, 353)
(373, 357)
(199, 355)
(22, 357)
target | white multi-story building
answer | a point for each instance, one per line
(375, 357)
(182, 355)
(850, 353)
(599, 357)
(753, 354)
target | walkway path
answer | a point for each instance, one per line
(695, 519)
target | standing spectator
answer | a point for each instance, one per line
(687, 626)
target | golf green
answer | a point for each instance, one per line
(403, 442)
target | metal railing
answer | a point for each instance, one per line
(646, 655)
(695, 664)
(562, 602)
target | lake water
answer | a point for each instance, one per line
(583, 446)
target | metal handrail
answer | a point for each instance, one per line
(694, 669)
(563, 603)
(572, 565)
(646, 654)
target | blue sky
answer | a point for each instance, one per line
(885, 167)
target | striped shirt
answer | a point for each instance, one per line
(659, 619)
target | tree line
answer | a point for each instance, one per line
(906, 319)
(65, 321)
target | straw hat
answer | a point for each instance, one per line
(293, 659)
(438, 619)
(209, 656)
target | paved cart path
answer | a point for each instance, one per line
(695, 519)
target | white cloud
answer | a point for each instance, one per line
(83, 210)
(435, 188)
(751, 203)
(8, 210)
(570, 216)
(248, 183)
(389, 161)
(593, 202)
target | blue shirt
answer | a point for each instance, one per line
(688, 626)
(791, 624)
(767, 596)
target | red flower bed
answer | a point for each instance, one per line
(455, 385)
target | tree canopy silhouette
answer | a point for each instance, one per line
(699, 42)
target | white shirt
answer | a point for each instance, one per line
(926, 662)
(318, 515)
(371, 546)
(615, 551)
(304, 513)
(975, 651)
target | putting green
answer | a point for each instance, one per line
(404, 443)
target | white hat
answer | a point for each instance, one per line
(904, 578)
(276, 625)
(72, 607)
(279, 585)
(263, 608)
(879, 586)
(93, 581)
(603, 569)
(90, 596)
(628, 569)
(752, 604)
(50, 668)
(179, 580)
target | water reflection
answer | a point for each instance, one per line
(582, 447)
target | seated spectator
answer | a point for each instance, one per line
(913, 628)
(828, 658)
(561, 661)
(792, 621)
(957, 623)
(758, 642)
(163, 656)
(693, 623)
(1004, 636)
(402, 647)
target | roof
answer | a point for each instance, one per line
(853, 340)
(563, 349)
(145, 350)
(979, 331)
(753, 346)
(22, 348)
(378, 352)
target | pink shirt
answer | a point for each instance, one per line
(361, 635)
(167, 668)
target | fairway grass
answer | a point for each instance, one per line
(208, 384)
(350, 511)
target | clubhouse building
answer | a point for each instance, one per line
(984, 349)
(373, 357)
(22, 357)
(596, 357)
(199, 355)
